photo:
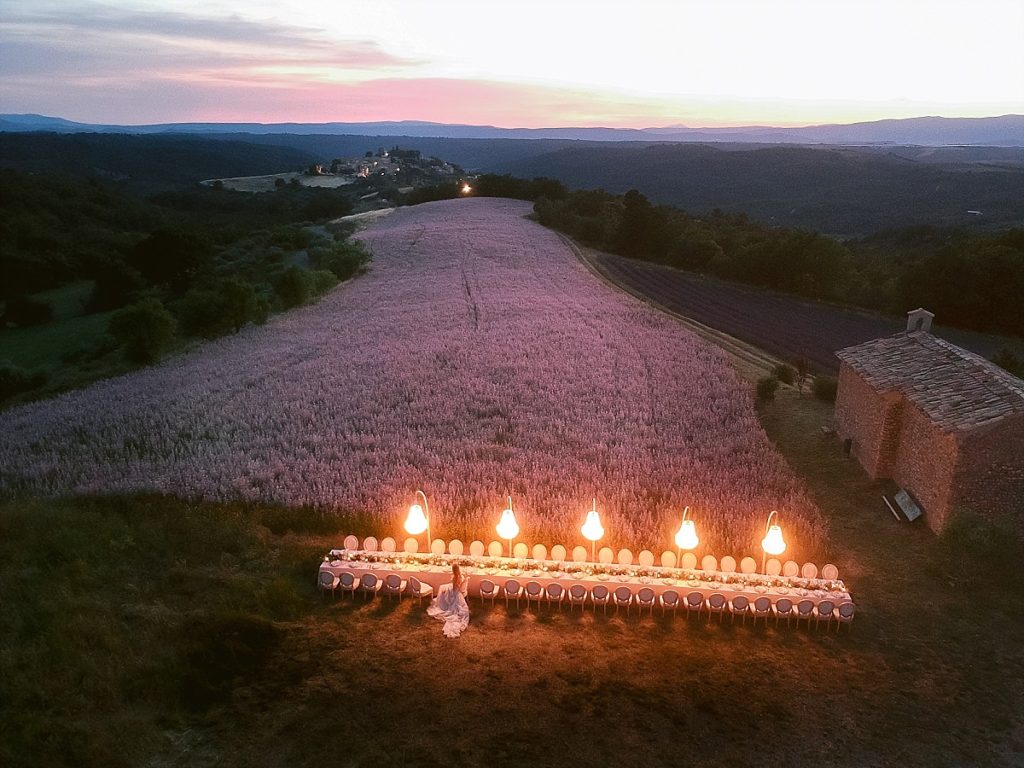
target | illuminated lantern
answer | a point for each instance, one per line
(507, 526)
(418, 519)
(592, 530)
(772, 543)
(686, 536)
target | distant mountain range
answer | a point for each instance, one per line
(1003, 131)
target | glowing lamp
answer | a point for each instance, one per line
(466, 189)
(686, 536)
(418, 519)
(507, 526)
(592, 530)
(772, 543)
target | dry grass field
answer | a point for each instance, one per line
(193, 635)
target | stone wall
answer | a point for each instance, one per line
(925, 463)
(990, 477)
(862, 415)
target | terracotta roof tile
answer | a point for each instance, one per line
(958, 389)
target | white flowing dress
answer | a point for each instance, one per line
(451, 607)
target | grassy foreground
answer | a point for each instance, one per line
(153, 632)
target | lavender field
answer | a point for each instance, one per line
(477, 358)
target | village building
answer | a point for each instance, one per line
(943, 423)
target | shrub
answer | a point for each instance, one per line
(294, 287)
(825, 388)
(145, 330)
(214, 310)
(766, 388)
(784, 373)
(24, 311)
(15, 380)
(1008, 361)
(345, 260)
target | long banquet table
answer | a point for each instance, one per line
(438, 575)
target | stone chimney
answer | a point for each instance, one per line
(919, 321)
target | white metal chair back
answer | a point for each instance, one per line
(695, 601)
(410, 546)
(456, 547)
(748, 565)
(689, 561)
(645, 598)
(669, 599)
(558, 553)
(328, 581)
(494, 549)
(845, 611)
(605, 555)
(668, 559)
(773, 567)
(625, 557)
(488, 590)
(555, 592)
(521, 551)
(709, 563)
(348, 581)
(477, 548)
(716, 602)
(728, 564)
(370, 544)
(809, 571)
(393, 581)
(791, 568)
(437, 546)
(540, 552)
(829, 572)
(804, 610)
(387, 544)
(599, 593)
(646, 558)
(622, 596)
(579, 554)
(577, 593)
(533, 590)
(351, 542)
(825, 610)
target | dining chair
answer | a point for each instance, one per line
(824, 613)
(521, 551)
(410, 546)
(605, 555)
(351, 542)
(512, 589)
(709, 564)
(393, 586)
(694, 603)
(540, 553)
(387, 544)
(829, 572)
(622, 596)
(844, 614)
(579, 554)
(577, 596)
(668, 559)
(417, 589)
(773, 567)
(476, 548)
(558, 553)
(669, 599)
(625, 557)
(370, 544)
(716, 604)
(437, 547)
(488, 591)
(791, 568)
(555, 593)
(645, 598)
(761, 609)
(728, 564)
(600, 595)
(327, 581)
(782, 609)
(534, 593)
(495, 549)
(804, 610)
(645, 558)
(809, 571)
(348, 583)
(456, 547)
(689, 561)
(748, 565)
(739, 606)
(369, 584)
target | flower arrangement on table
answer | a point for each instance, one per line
(515, 566)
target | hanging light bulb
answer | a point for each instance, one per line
(773, 543)
(593, 530)
(507, 526)
(686, 536)
(416, 522)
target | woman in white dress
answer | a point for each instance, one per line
(450, 604)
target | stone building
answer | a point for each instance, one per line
(942, 422)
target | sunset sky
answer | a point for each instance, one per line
(523, 63)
